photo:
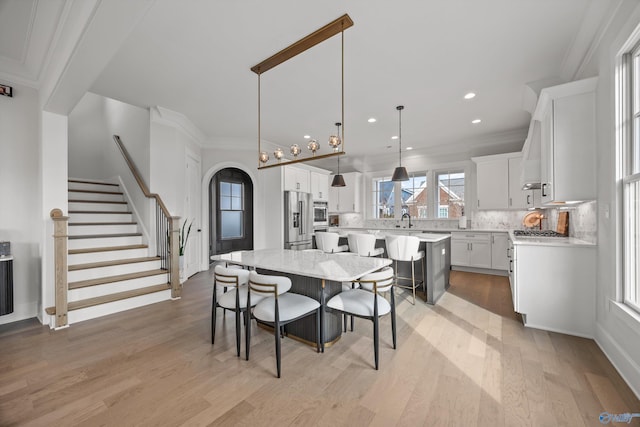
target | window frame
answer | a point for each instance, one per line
(231, 209)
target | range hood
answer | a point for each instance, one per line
(530, 178)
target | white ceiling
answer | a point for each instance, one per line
(193, 57)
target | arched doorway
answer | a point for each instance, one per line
(230, 211)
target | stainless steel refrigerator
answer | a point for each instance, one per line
(298, 220)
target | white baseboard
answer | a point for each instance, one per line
(625, 365)
(20, 312)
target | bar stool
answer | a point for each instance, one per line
(405, 249)
(278, 307)
(366, 303)
(364, 244)
(234, 300)
(328, 242)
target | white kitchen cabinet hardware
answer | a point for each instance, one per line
(567, 119)
(348, 198)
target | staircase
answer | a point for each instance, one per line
(110, 269)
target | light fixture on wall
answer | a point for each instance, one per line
(400, 173)
(331, 29)
(338, 179)
(334, 140)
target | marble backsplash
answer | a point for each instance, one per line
(582, 221)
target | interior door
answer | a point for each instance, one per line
(192, 213)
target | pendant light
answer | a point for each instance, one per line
(338, 180)
(400, 173)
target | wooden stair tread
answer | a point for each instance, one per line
(73, 190)
(117, 278)
(106, 249)
(113, 202)
(81, 181)
(100, 212)
(73, 224)
(77, 267)
(90, 302)
(100, 236)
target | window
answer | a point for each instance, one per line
(450, 194)
(630, 116)
(383, 198)
(414, 196)
(231, 210)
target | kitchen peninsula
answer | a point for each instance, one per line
(313, 273)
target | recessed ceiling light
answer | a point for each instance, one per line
(409, 148)
(372, 120)
(394, 137)
(476, 121)
(307, 136)
(470, 95)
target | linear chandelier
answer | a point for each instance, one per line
(335, 142)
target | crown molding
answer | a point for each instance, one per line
(180, 121)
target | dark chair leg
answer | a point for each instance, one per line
(238, 332)
(276, 330)
(247, 334)
(344, 319)
(393, 318)
(351, 323)
(376, 340)
(213, 316)
(318, 332)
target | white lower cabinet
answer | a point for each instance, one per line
(553, 287)
(499, 247)
(470, 249)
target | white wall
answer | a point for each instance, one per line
(93, 153)
(616, 333)
(20, 219)
(267, 192)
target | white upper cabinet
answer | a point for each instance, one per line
(320, 186)
(347, 198)
(567, 121)
(296, 179)
(498, 182)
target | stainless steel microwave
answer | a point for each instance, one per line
(320, 214)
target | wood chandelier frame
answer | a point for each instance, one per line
(331, 29)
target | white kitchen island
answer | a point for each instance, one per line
(313, 273)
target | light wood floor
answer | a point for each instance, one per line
(467, 361)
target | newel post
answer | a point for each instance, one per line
(60, 252)
(174, 230)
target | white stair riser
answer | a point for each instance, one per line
(83, 230)
(101, 310)
(107, 256)
(93, 187)
(101, 217)
(77, 195)
(98, 206)
(112, 270)
(104, 242)
(115, 287)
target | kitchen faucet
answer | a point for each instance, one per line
(407, 216)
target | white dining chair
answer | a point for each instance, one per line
(406, 249)
(234, 299)
(328, 242)
(279, 307)
(367, 304)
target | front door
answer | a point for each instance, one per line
(231, 211)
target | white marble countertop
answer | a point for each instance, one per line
(6, 258)
(317, 264)
(548, 241)
(401, 230)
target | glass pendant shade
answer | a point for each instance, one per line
(295, 150)
(313, 146)
(278, 153)
(334, 140)
(400, 173)
(264, 157)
